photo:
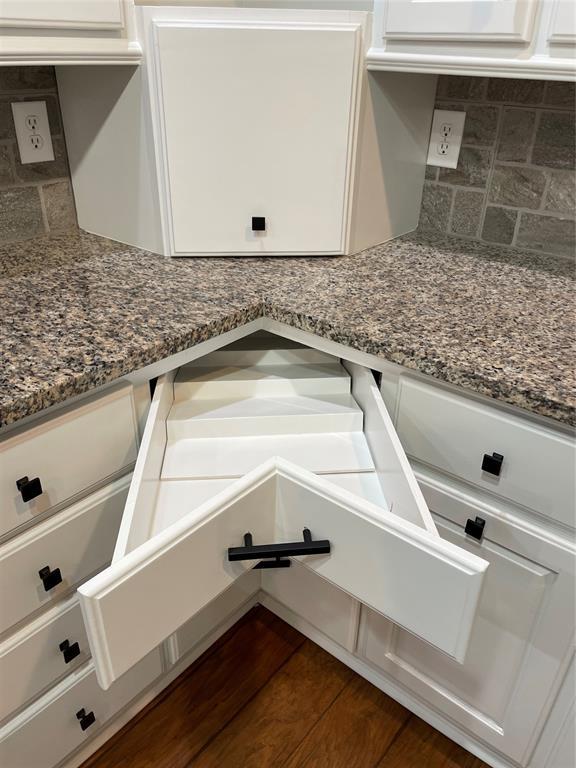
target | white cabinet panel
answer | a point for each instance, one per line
(266, 134)
(563, 26)
(479, 20)
(77, 14)
(518, 646)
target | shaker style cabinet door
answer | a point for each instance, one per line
(292, 450)
(74, 14)
(255, 129)
(475, 20)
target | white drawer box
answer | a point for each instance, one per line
(47, 731)
(31, 660)
(69, 453)
(454, 434)
(174, 542)
(78, 541)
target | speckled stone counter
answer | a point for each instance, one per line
(79, 311)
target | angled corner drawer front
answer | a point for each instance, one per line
(402, 570)
(69, 453)
(454, 434)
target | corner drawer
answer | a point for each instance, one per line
(78, 542)
(42, 735)
(69, 453)
(31, 660)
(454, 434)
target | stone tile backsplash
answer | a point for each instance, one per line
(515, 183)
(35, 198)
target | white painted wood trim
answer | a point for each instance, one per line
(538, 68)
(68, 50)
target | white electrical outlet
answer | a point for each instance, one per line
(446, 138)
(32, 131)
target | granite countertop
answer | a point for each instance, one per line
(79, 311)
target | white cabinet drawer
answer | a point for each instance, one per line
(68, 453)
(454, 434)
(78, 542)
(31, 660)
(42, 735)
(174, 541)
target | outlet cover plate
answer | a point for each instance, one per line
(32, 131)
(446, 138)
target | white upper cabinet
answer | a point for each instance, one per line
(483, 20)
(259, 450)
(67, 32)
(248, 132)
(503, 38)
(261, 130)
(78, 14)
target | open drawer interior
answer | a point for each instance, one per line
(287, 444)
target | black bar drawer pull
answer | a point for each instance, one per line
(492, 464)
(475, 528)
(86, 718)
(29, 489)
(50, 578)
(69, 651)
(252, 551)
(258, 223)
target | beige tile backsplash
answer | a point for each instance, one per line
(37, 198)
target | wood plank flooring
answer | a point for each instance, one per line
(264, 696)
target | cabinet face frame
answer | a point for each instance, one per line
(411, 20)
(548, 649)
(56, 14)
(152, 19)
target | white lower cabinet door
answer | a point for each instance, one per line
(62, 720)
(171, 561)
(519, 646)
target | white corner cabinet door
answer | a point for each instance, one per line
(260, 444)
(494, 21)
(62, 14)
(522, 640)
(255, 152)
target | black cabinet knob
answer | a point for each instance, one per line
(475, 528)
(29, 489)
(50, 578)
(69, 651)
(492, 464)
(86, 718)
(258, 223)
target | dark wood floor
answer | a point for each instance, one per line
(266, 697)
